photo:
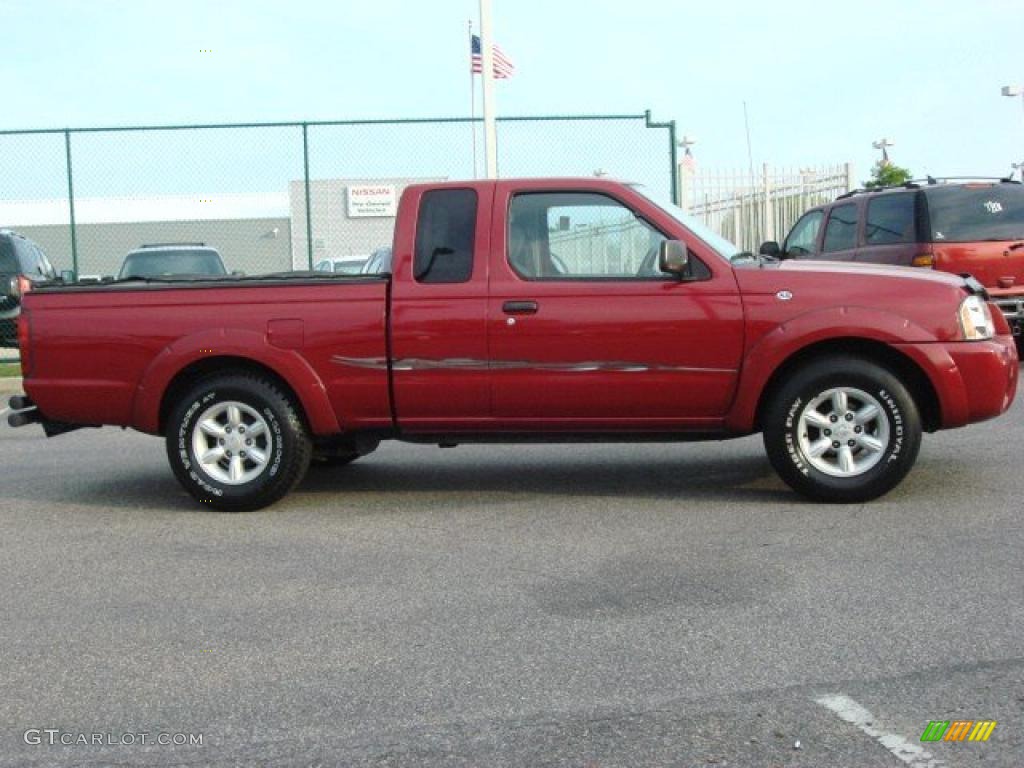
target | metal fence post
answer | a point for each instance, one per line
(309, 212)
(71, 203)
(675, 161)
(671, 125)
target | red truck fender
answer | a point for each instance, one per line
(835, 324)
(250, 346)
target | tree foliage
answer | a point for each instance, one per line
(886, 174)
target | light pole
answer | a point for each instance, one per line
(883, 144)
(1013, 91)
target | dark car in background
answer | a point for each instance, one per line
(971, 227)
(22, 263)
(173, 260)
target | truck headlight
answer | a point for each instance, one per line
(976, 319)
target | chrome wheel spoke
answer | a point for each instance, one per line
(867, 414)
(871, 443)
(236, 469)
(819, 448)
(213, 455)
(256, 429)
(818, 419)
(234, 416)
(839, 402)
(846, 462)
(257, 456)
(212, 428)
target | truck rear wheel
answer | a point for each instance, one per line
(237, 442)
(842, 430)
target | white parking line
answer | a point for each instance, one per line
(849, 710)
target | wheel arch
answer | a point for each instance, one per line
(207, 367)
(906, 369)
(225, 350)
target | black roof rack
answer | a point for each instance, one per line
(928, 181)
(171, 245)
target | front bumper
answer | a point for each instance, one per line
(1012, 308)
(974, 380)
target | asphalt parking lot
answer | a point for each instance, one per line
(590, 606)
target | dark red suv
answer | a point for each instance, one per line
(965, 227)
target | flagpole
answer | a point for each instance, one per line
(472, 94)
(487, 75)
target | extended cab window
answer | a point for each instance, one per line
(445, 232)
(890, 219)
(804, 237)
(841, 231)
(580, 235)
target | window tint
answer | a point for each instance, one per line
(971, 213)
(804, 237)
(45, 266)
(169, 263)
(841, 232)
(8, 259)
(578, 235)
(29, 258)
(445, 233)
(890, 219)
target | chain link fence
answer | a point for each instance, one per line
(272, 197)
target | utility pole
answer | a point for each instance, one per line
(883, 144)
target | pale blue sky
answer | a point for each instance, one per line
(821, 79)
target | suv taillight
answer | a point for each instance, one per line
(20, 285)
(926, 260)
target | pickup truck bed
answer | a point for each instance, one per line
(128, 342)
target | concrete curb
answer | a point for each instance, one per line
(10, 385)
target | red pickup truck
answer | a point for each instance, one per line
(524, 310)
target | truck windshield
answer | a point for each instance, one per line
(976, 212)
(715, 241)
(170, 263)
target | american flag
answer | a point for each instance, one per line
(503, 66)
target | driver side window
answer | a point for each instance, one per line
(804, 237)
(580, 235)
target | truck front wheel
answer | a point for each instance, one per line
(843, 430)
(237, 442)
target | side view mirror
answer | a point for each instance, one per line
(67, 276)
(770, 248)
(673, 257)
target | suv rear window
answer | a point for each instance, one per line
(971, 213)
(170, 263)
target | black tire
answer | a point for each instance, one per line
(790, 437)
(288, 442)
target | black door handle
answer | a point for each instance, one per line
(520, 307)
